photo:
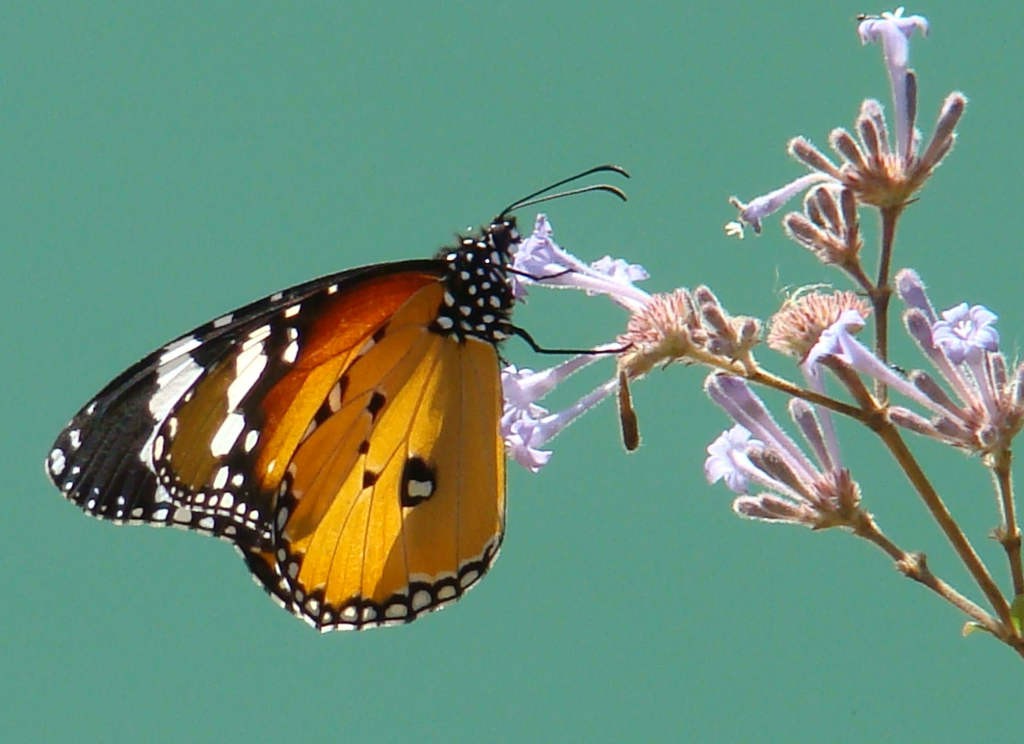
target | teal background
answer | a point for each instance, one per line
(165, 162)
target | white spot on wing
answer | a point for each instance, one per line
(227, 434)
(370, 343)
(256, 336)
(178, 348)
(249, 365)
(420, 489)
(57, 462)
(173, 379)
(291, 352)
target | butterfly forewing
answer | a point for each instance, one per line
(104, 459)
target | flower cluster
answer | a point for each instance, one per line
(527, 426)
(756, 450)
(983, 409)
(682, 325)
(966, 394)
(880, 168)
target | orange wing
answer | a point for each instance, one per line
(343, 434)
(392, 499)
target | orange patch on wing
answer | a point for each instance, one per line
(326, 351)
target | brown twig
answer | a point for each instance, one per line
(914, 566)
(1008, 533)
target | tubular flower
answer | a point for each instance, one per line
(985, 409)
(541, 261)
(877, 168)
(817, 493)
(526, 426)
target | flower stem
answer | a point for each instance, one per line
(882, 291)
(856, 273)
(915, 566)
(785, 386)
(872, 414)
(898, 448)
(1008, 533)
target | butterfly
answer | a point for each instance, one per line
(344, 433)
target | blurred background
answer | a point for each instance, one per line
(165, 162)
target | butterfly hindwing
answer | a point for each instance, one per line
(393, 504)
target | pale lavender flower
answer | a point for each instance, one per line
(965, 333)
(540, 261)
(839, 343)
(527, 426)
(619, 270)
(757, 450)
(873, 170)
(727, 459)
(986, 409)
(753, 212)
(894, 30)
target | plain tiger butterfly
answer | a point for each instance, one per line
(343, 433)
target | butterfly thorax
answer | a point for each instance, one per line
(478, 297)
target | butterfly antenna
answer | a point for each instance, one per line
(542, 195)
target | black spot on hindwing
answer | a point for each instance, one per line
(419, 482)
